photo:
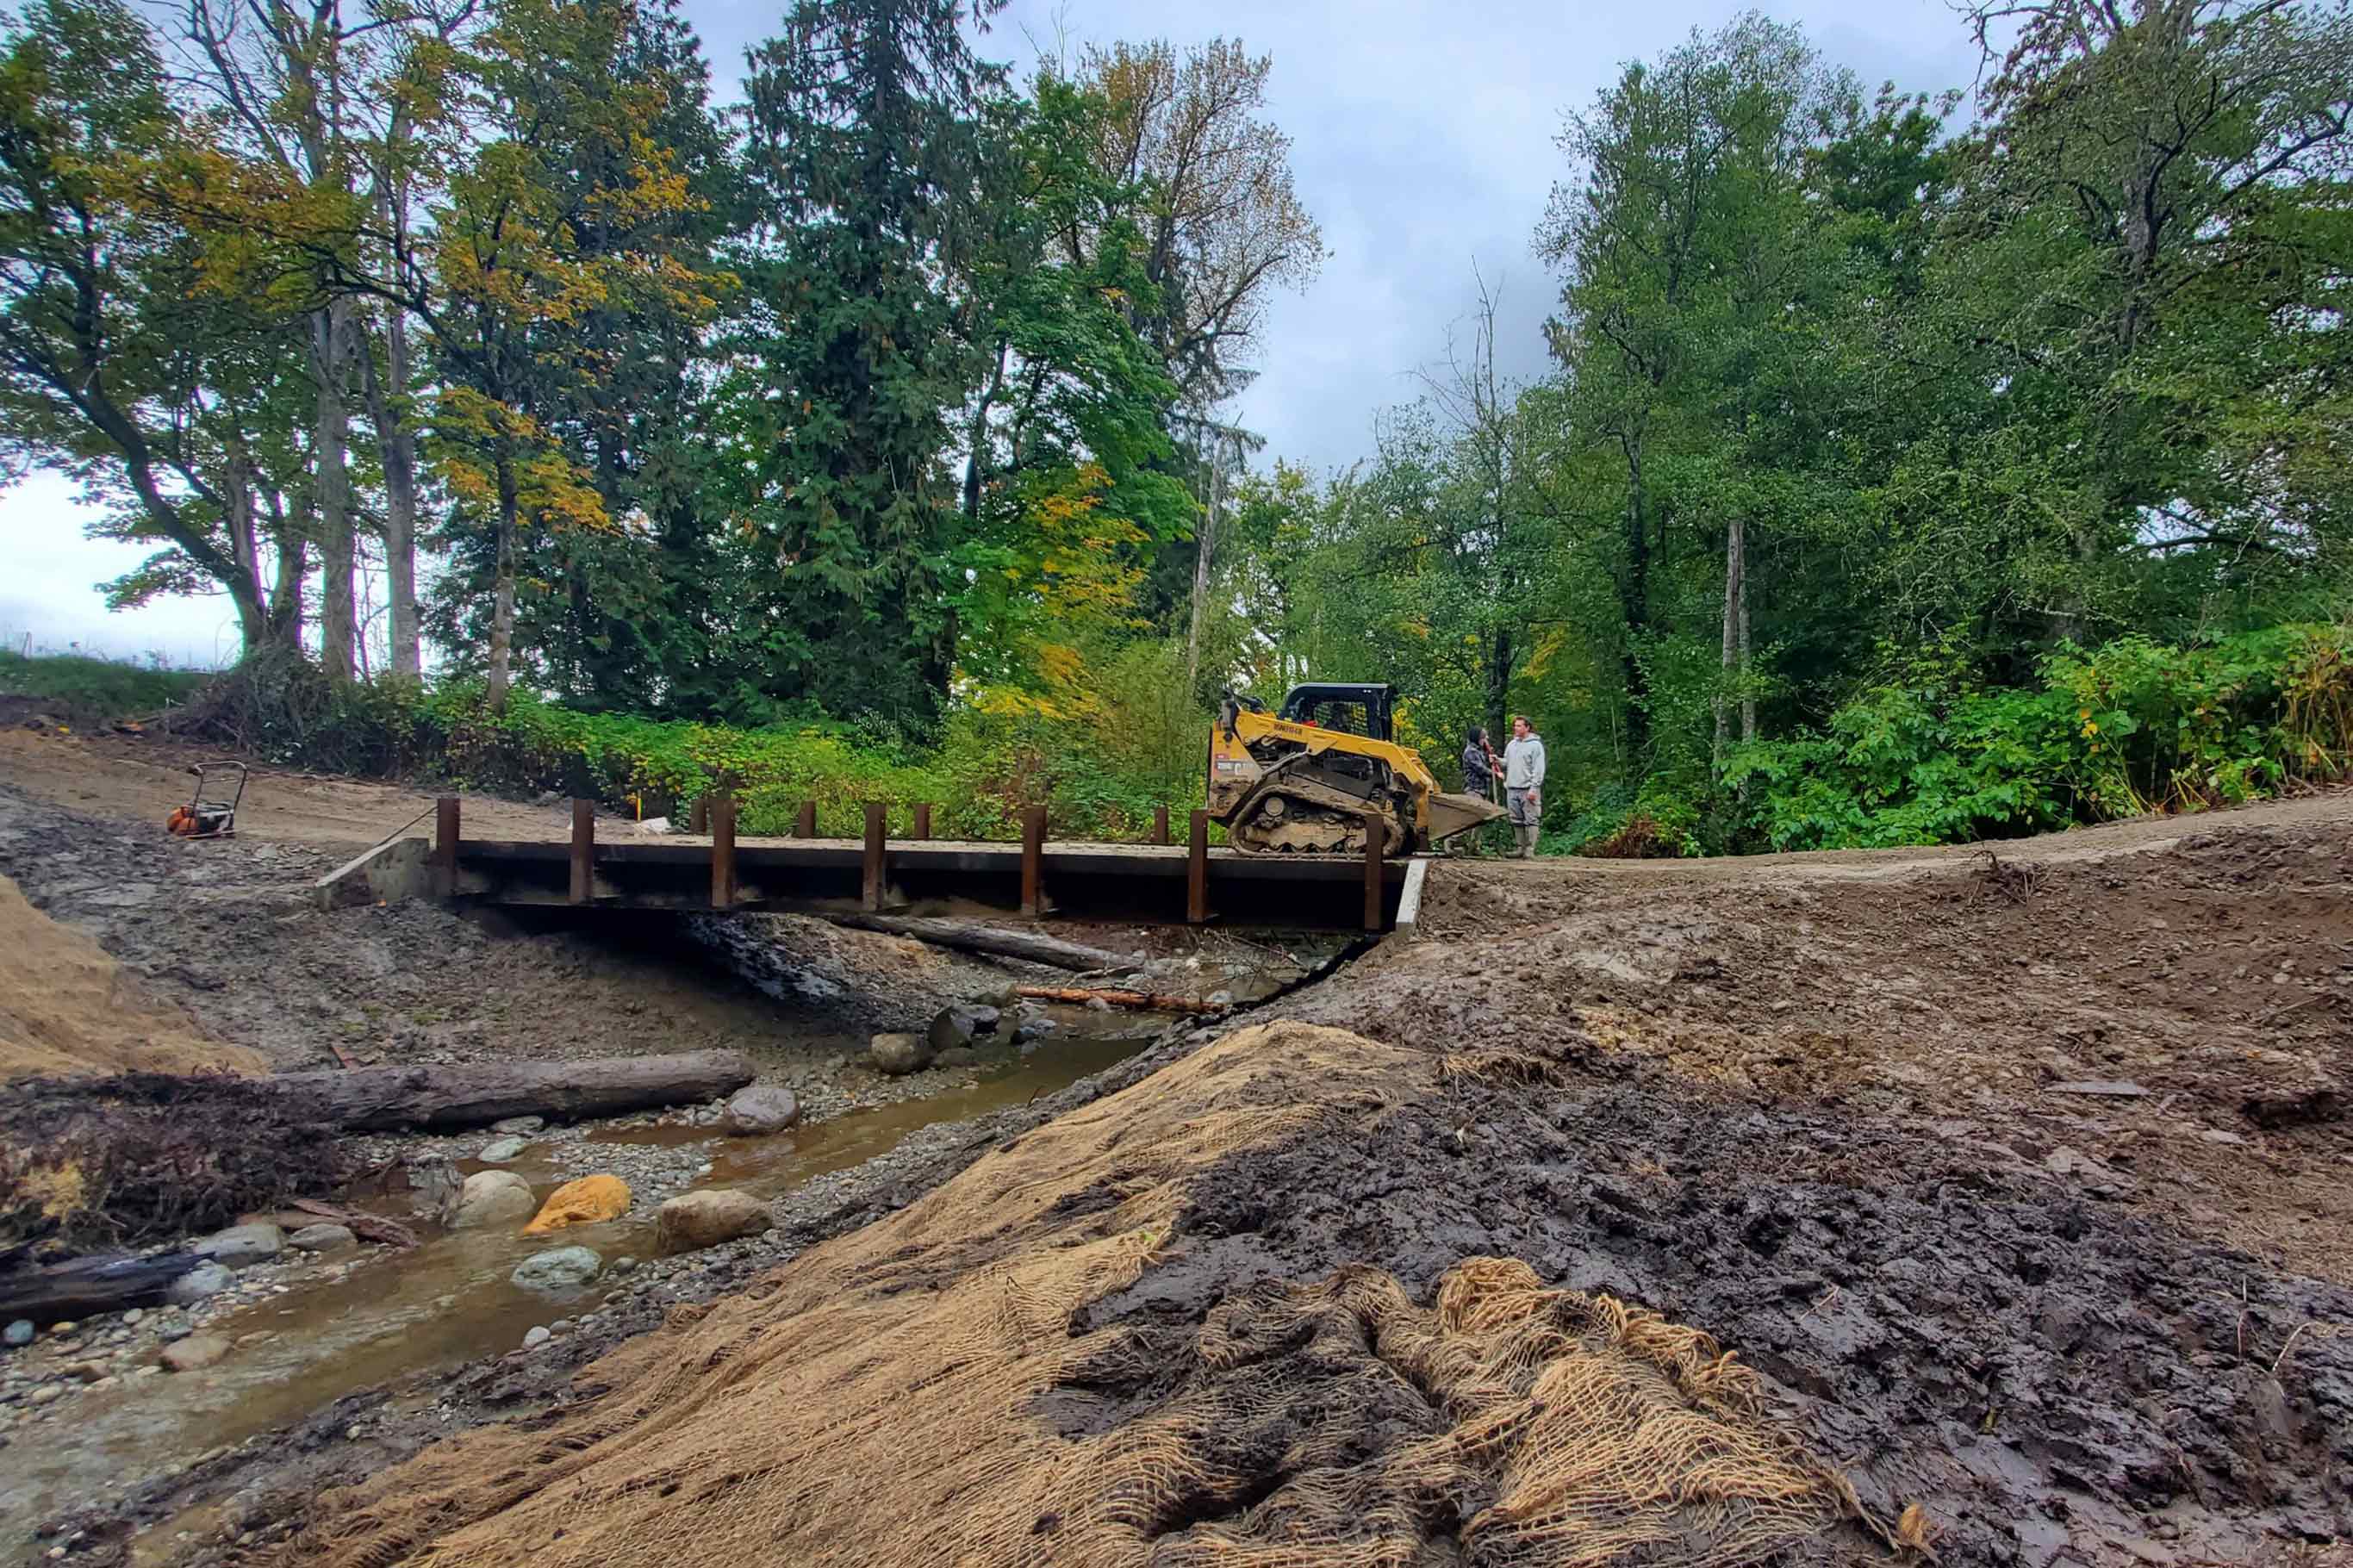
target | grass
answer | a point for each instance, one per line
(96, 685)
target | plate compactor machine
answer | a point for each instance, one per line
(1314, 777)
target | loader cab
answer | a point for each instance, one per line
(1349, 709)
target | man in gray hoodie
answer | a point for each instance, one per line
(1523, 770)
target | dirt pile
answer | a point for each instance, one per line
(69, 1010)
(1314, 1418)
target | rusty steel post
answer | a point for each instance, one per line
(1197, 870)
(697, 816)
(1033, 855)
(877, 827)
(1375, 837)
(806, 826)
(723, 851)
(445, 845)
(922, 819)
(584, 850)
(1160, 824)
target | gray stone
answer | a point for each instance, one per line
(624, 1265)
(952, 1027)
(1006, 995)
(560, 1326)
(957, 1056)
(323, 1238)
(536, 1338)
(195, 1352)
(984, 1019)
(520, 1124)
(20, 1334)
(492, 1197)
(1033, 1027)
(693, 1220)
(500, 1150)
(899, 1054)
(198, 1283)
(47, 1394)
(242, 1245)
(760, 1108)
(558, 1269)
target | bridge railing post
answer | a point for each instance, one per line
(698, 816)
(877, 831)
(1197, 870)
(445, 845)
(922, 819)
(1160, 824)
(723, 851)
(805, 827)
(1033, 857)
(584, 850)
(1376, 831)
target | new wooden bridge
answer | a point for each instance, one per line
(715, 868)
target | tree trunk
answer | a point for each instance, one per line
(1634, 598)
(1734, 599)
(387, 411)
(286, 593)
(970, 936)
(338, 607)
(1747, 687)
(384, 1099)
(87, 1285)
(1206, 541)
(503, 602)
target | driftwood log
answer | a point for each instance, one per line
(969, 936)
(383, 1099)
(86, 1285)
(1149, 1001)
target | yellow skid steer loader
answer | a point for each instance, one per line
(1313, 777)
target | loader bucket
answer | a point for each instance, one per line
(1453, 814)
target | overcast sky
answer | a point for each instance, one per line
(1421, 140)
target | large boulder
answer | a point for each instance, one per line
(242, 1245)
(954, 1028)
(195, 1352)
(762, 1107)
(898, 1054)
(590, 1200)
(499, 1150)
(558, 1269)
(202, 1283)
(491, 1197)
(323, 1238)
(708, 1218)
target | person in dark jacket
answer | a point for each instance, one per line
(1478, 779)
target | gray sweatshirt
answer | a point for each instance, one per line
(1524, 763)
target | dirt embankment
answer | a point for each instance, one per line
(1836, 1125)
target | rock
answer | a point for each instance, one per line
(762, 1107)
(1033, 1027)
(323, 1238)
(491, 1197)
(957, 1056)
(20, 1334)
(500, 1150)
(558, 1269)
(137, 1315)
(985, 1019)
(952, 1027)
(709, 1218)
(242, 1245)
(624, 1265)
(47, 1394)
(536, 1338)
(1221, 999)
(560, 1326)
(201, 1283)
(899, 1054)
(195, 1353)
(435, 1184)
(1006, 995)
(520, 1124)
(590, 1200)
(1097, 1005)
(2105, 1089)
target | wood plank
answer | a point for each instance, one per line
(584, 850)
(1408, 915)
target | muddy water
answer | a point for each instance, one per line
(448, 1301)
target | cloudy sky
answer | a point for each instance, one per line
(1421, 140)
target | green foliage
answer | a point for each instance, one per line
(96, 685)
(1930, 757)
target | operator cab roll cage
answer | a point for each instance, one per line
(1300, 703)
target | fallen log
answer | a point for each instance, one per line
(383, 1099)
(1148, 1001)
(360, 1223)
(969, 936)
(88, 1285)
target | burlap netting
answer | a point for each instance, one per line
(918, 1392)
